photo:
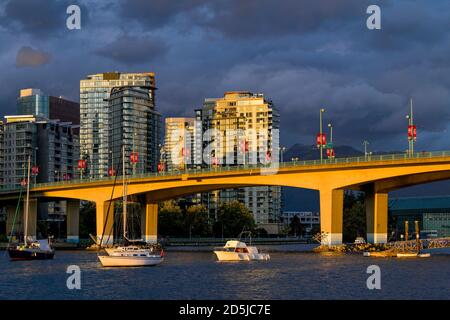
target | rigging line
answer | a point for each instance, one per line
(109, 208)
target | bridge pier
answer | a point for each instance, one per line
(376, 216)
(19, 222)
(149, 221)
(331, 216)
(11, 223)
(105, 216)
(73, 220)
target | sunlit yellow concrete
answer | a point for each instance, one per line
(150, 223)
(377, 216)
(105, 222)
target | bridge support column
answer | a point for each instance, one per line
(105, 222)
(376, 216)
(73, 220)
(149, 222)
(331, 216)
(13, 222)
(32, 219)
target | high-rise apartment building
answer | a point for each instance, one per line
(136, 126)
(52, 147)
(95, 115)
(2, 154)
(179, 144)
(242, 129)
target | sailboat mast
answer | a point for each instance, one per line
(124, 194)
(27, 203)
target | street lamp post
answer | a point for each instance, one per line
(365, 143)
(282, 150)
(35, 163)
(321, 134)
(330, 148)
(412, 131)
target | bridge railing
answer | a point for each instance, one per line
(217, 169)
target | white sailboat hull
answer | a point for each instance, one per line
(124, 261)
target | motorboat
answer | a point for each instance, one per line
(36, 250)
(235, 250)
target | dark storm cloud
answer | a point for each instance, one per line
(248, 18)
(39, 18)
(302, 54)
(131, 50)
(29, 57)
(156, 13)
(262, 18)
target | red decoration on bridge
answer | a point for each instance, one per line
(111, 172)
(134, 157)
(321, 139)
(244, 146)
(412, 132)
(330, 153)
(82, 164)
(35, 170)
(161, 167)
(67, 176)
(24, 183)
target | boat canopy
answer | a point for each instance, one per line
(235, 244)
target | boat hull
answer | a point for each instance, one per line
(17, 254)
(240, 256)
(120, 261)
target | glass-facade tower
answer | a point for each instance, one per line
(33, 102)
(95, 115)
(136, 126)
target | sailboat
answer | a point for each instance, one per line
(133, 253)
(31, 250)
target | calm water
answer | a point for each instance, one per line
(186, 275)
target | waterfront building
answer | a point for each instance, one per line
(35, 102)
(95, 115)
(241, 129)
(310, 220)
(53, 147)
(2, 154)
(136, 125)
(432, 213)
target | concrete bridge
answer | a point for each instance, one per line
(375, 175)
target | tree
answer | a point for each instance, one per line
(295, 226)
(170, 219)
(354, 216)
(87, 219)
(197, 222)
(232, 218)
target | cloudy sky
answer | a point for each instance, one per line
(303, 54)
